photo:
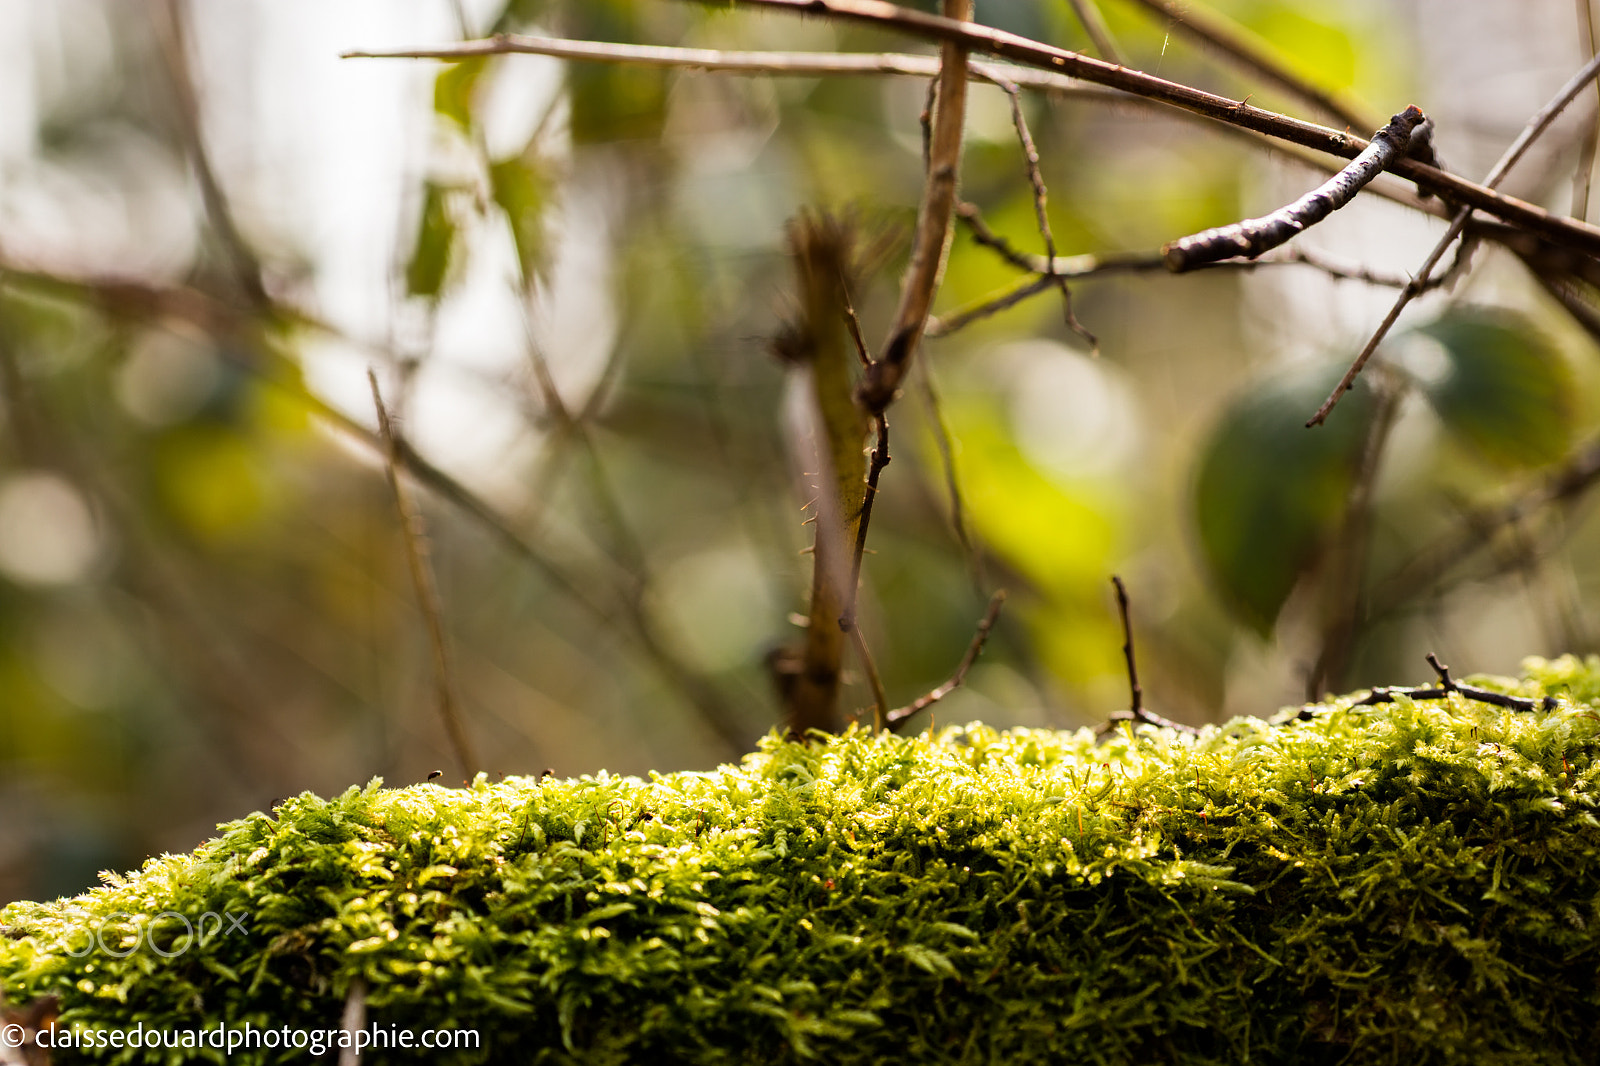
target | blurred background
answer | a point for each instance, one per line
(567, 277)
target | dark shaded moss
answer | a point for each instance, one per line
(1409, 883)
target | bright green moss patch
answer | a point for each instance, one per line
(1407, 883)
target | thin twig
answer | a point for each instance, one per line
(952, 485)
(1443, 691)
(932, 240)
(1253, 236)
(1137, 712)
(880, 699)
(1094, 24)
(1010, 46)
(957, 679)
(1344, 584)
(879, 459)
(1085, 267)
(1245, 50)
(1536, 126)
(1135, 693)
(415, 536)
(1041, 197)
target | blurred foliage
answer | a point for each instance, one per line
(203, 599)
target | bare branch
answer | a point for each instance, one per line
(414, 534)
(1443, 691)
(990, 41)
(1251, 53)
(932, 240)
(1536, 126)
(1253, 236)
(922, 703)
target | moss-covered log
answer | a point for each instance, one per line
(1412, 882)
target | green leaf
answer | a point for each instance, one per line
(1507, 393)
(453, 89)
(1270, 491)
(523, 187)
(436, 236)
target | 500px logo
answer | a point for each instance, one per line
(137, 931)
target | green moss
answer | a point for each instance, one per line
(1409, 883)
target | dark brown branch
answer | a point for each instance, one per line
(1536, 126)
(414, 535)
(894, 718)
(1443, 691)
(990, 41)
(1135, 693)
(1240, 47)
(1253, 236)
(1137, 712)
(932, 241)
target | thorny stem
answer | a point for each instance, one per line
(957, 679)
(422, 579)
(1536, 126)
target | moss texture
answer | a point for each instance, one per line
(1409, 883)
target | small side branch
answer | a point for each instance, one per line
(1445, 688)
(1253, 236)
(427, 589)
(1136, 712)
(895, 717)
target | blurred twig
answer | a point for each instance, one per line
(1591, 133)
(1094, 24)
(414, 533)
(1245, 50)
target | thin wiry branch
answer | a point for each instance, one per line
(1041, 198)
(1253, 236)
(1088, 267)
(414, 534)
(1536, 126)
(1591, 132)
(895, 717)
(1247, 51)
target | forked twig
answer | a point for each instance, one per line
(415, 534)
(1136, 712)
(1445, 688)
(957, 679)
(1536, 126)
